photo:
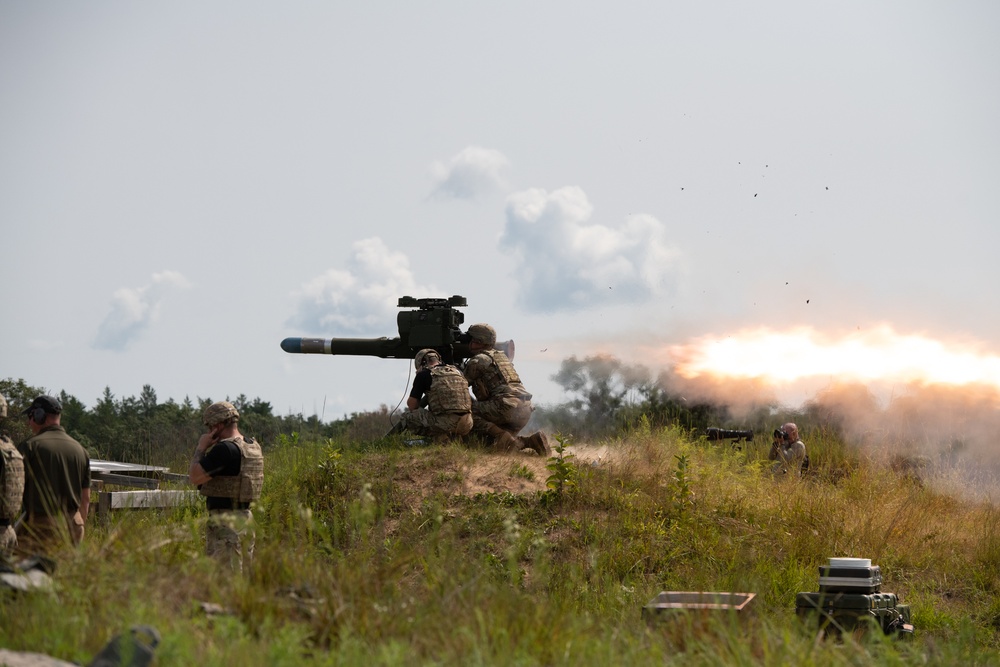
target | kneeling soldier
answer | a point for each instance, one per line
(444, 391)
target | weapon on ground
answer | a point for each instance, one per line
(431, 323)
(713, 433)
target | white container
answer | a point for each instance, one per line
(850, 562)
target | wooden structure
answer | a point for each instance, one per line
(146, 479)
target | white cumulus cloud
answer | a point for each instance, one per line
(473, 171)
(565, 262)
(360, 300)
(133, 309)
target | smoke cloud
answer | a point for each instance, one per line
(133, 309)
(472, 172)
(361, 299)
(565, 262)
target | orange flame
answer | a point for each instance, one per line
(877, 354)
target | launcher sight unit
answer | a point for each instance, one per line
(431, 322)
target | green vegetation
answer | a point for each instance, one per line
(370, 552)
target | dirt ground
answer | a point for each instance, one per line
(481, 472)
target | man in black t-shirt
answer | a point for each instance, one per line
(229, 471)
(445, 392)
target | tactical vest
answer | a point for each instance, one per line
(244, 487)
(449, 391)
(498, 378)
(12, 482)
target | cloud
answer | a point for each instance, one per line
(566, 263)
(472, 172)
(133, 309)
(361, 300)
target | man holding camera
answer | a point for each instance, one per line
(788, 451)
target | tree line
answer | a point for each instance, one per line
(605, 396)
(142, 429)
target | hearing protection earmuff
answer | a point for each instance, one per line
(38, 415)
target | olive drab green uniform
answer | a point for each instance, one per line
(229, 533)
(449, 406)
(11, 493)
(501, 399)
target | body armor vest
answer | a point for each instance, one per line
(449, 391)
(498, 378)
(12, 484)
(244, 487)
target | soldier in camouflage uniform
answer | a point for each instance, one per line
(228, 469)
(445, 392)
(11, 488)
(502, 406)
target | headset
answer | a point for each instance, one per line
(37, 415)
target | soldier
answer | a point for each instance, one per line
(11, 488)
(445, 392)
(502, 406)
(56, 479)
(788, 451)
(228, 469)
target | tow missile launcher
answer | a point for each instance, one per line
(432, 323)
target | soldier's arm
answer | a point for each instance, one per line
(84, 503)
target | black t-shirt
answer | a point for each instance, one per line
(222, 459)
(421, 383)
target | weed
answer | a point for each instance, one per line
(563, 473)
(522, 471)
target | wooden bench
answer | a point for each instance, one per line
(147, 499)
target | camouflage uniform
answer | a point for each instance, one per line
(502, 406)
(501, 399)
(449, 406)
(229, 532)
(11, 488)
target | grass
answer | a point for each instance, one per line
(370, 554)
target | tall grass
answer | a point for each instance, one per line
(369, 553)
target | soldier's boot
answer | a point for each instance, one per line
(537, 442)
(398, 427)
(502, 440)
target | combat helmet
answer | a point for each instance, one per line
(3, 406)
(219, 412)
(426, 357)
(483, 333)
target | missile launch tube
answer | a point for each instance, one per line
(386, 348)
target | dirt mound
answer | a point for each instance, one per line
(458, 471)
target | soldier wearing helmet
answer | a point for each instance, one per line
(445, 393)
(228, 469)
(788, 451)
(11, 488)
(502, 406)
(56, 480)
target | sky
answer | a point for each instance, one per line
(184, 184)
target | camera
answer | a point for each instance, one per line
(780, 435)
